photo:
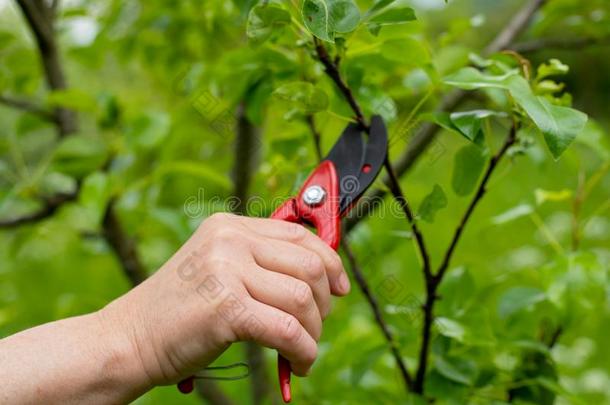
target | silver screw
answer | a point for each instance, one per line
(314, 195)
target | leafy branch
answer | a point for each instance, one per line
(426, 134)
(435, 280)
(432, 280)
(26, 106)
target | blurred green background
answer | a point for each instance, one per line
(161, 96)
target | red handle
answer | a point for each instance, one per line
(325, 218)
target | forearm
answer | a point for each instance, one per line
(76, 360)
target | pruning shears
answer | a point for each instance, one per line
(328, 194)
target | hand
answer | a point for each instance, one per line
(236, 279)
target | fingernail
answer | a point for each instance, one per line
(343, 283)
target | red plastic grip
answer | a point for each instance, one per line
(325, 218)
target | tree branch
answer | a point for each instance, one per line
(392, 182)
(568, 44)
(247, 150)
(40, 18)
(363, 283)
(50, 206)
(123, 246)
(27, 106)
(432, 288)
(428, 131)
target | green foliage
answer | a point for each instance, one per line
(264, 20)
(559, 125)
(326, 18)
(469, 163)
(433, 202)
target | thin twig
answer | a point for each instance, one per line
(332, 71)
(493, 163)
(27, 106)
(437, 278)
(124, 247)
(567, 44)
(49, 207)
(311, 123)
(385, 329)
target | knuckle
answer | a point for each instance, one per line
(303, 296)
(219, 217)
(224, 234)
(296, 232)
(290, 329)
(313, 267)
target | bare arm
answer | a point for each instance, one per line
(236, 279)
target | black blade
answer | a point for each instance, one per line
(358, 162)
(347, 154)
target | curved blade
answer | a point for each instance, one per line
(358, 160)
(347, 155)
(374, 157)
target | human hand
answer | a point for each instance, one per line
(236, 279)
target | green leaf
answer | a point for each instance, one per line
(433, 202)
(379, 5)
(517, 299)
(79, 155)
(93, 197)
(74, 99)
(559, 125)
(468, 164)
(553, 68)
(458, 370)
(470, 78)
(512, 214)
(407, 51)
(469, 122)
(148, 130)
(450, 328)
(264, 20)
(543, 196)
(394, 15)
(56, 183)
(304, 96)
(325, 18)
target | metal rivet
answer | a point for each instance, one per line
(314, 195)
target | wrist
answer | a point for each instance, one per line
(121, 362)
